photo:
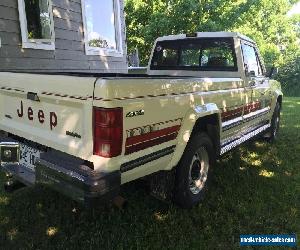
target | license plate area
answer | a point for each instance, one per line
(29, 155)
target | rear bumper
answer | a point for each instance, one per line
(68, 175)
(86, 186)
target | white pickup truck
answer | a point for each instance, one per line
(85, 135)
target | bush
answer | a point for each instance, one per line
(289, 76)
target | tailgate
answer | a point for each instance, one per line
(52, 110)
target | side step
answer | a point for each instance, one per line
(244, 138)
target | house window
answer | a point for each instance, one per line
(36, 21)
(102, 27)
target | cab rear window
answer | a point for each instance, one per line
(209, 54)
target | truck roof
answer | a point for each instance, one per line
(206, 34)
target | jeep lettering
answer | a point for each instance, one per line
(41, 116)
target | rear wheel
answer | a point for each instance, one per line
(193, 171)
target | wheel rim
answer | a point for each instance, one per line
(198, 171)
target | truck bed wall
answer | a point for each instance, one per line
(69, 55)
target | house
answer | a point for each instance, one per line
(63, 36)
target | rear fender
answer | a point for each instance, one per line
(186, 130)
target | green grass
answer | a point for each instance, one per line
(254, 190)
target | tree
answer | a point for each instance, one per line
(100, 43)
(289, 76)
(265, 21)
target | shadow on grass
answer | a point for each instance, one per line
(254, 190)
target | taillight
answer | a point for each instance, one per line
(108, 132)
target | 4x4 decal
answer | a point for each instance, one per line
(135, 113)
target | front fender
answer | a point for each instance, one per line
(186, 130)
(276, 92)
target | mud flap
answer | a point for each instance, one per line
(162, 185)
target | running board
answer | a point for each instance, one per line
(244, 138)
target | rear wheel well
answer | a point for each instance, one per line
(210, 125)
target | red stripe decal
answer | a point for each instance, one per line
(135, 148)
(234, 113)
(152, 135)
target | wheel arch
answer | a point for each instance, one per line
(275, 88)
(205, 118)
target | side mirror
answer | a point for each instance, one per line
(252, 73)
(248, 73)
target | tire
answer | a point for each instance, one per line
(193, 171)
(275, 124)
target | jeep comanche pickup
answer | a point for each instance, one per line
(86, 135)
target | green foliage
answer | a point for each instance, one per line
(289, 76)
(100, 43)
(265, 21)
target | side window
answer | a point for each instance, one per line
(36, 22)
(251, 60)
(260, 70)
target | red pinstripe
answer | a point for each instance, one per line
(147, 144)
(150, 136)
(231, 114)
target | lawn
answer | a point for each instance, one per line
(255, 190)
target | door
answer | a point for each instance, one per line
(257, 102)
